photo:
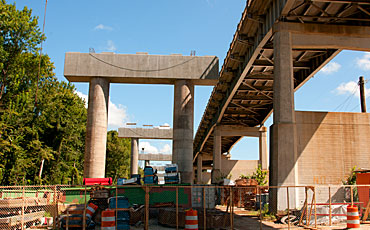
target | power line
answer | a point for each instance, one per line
(348, 98)
(39, 72)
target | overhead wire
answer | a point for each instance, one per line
(347, 99)
(366, 81)
(40, 55)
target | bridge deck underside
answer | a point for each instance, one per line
(243, 95)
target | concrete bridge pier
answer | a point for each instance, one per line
(216, 169)
(237, 130)
(183, 121)
(96, 128)
(183, 71)
(134, 156)
(199, 169)
(283, 162)
(263, 150)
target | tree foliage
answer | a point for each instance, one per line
(118, 156)
(53, 129)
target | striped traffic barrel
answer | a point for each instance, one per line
(191, 219)
(90, 210)
(108, 220)
(353, 220)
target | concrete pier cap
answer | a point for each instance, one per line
(182, 71)
(141, 68)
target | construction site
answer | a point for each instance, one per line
(304, 156)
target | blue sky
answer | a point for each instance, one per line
(167, 27)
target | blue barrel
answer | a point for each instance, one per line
(123, 217)
(123, 225)
(122, 202)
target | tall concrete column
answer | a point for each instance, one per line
(183, 121)
(134, 156)
(284, 143)
(96, 128)
(263, 160)
(199, 169)
(216, 169)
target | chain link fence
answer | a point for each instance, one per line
(166, 206)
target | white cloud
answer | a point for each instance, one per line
(148, 148)
(83, 96)
(103, 27)
(351, 88)
(110, 46)
(332, 67)
(166, 149)
(117, 115)
(364, 62)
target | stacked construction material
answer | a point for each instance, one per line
(150, 175)
(171, 176)
(123, 212)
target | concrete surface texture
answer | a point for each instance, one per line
(96, 128)
(183, 122)
(134, 156)
(145, 133)
(284, 142)
(233, 168)
(330, 144)
(216, 169)
(200, 169)
(155, 157)
(141, 68)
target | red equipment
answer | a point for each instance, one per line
(99, 181)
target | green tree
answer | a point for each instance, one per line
(118, 156)
(19, 34)
(52, 130)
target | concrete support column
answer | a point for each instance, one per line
(134, 156)
(199, 169)
(284, 170)
(263, 160)
(216, 170)
(96, 128)
(183, 122)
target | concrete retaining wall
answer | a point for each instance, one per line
(330, 144)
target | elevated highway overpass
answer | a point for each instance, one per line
(277, 47)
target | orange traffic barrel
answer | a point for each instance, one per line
(353, 220)
(191, 219)
(108, 220)
(90, 210)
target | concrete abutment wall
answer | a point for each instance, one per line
(329, 145)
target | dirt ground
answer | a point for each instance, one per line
(249, 223)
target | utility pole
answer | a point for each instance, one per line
(361, 83)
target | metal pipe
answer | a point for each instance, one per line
(329, 207)
(287, 193)
(177, 208)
